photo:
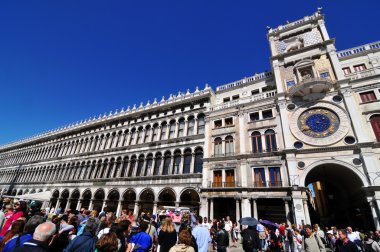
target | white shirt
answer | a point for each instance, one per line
(228, 226)
(353, 236)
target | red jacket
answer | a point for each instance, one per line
(9, 222)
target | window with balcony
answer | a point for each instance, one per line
(267, 114)
(229, 146)
(140, 166)
(198, 160)
(190, 126)
(172, 129)
(164, 127)
(275, 176)
(257, 146)
(217, 179)
(360, 67)
(227, 99)
(228, 121)
(201, 124)
(254, 116)
(346, 70)
(181, 127)
(218, 150)
(167, 161)
(230, 178)
(132, 166)
(235, 97)
(155, 132)
(187, 162)
(177, 162)
(375, 122)
(147, 134)
(368, 96)
(149, 164)
(133, 136)
(157, 164)
(259, 177)
(218, 124)
(270, 140)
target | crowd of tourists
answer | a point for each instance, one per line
(27, 227)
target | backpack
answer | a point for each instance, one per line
(368, 247)
(289, 235)
(248, 242)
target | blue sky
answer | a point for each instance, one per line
(63, 61)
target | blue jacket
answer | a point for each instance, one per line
(83, 243)
(10, 245)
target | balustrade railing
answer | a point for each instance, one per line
(359, 49)
(264, 184)
(224, 184)
(253, 78)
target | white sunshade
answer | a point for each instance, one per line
(41, 196)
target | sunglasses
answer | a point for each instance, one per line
(17, 204)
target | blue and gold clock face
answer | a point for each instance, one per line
(318, 123)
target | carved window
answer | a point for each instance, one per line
(229, 146)
(198, 161)
(181, 127)
(360, 67)
(201, 124)
(270, 140)
(375, 122)
(368, 96)
(257, 146)
(190, 128)
(218, 150)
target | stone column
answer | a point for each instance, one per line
(177, 204)
(159, 133)
(254, 205)
(245, 207)
(104, 204)
(243, 173)
(203, 207)
(237, 209)
(286, 134)
(176, 129)
(91, 204)
(154, 207)
(211, 208)
(186, 128)
(118, 210)
(136, 209)
(79, 205)
(192, 164)
(181, 165)
(242, 133)
(287, 212)
(307, 215)
(374, 213)
(299, 211)
(57, 205)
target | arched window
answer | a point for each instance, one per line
(133, 136)
(257, 146)
(149, 163)
(177, 162)
(270, 140)
(201, 124)
(140, 135)
(190, 126)
(181, 127)
(172, 129)
(155, 133)
(166, 164)
(147, 134)
(157, 164)
(132, 166)
(110, 168)
(140, 166)
(218, 151)
(229, 146)
(163, 130)
(125, 167)
(187, 162)
(375, 122)
(198, 161)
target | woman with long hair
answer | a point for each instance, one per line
(184, 243)
(16, 230)
(19, 211)
(167, 237)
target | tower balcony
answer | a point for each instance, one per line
(311, 89)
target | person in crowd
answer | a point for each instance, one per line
(16, 230)
(221, 238)
(19, 211)
(201, 235)
(27, 235)
(140, 241)
(354, 236)
(86, 241)
(107, 243)
(370, 244)
(2, 219)
(289, 239)
(41, 238)
(298, 241)
(184, 243)
(312, 242)
(262, 235)
(151, 231)
(251, 241)
(228, 225)
(344, 244)
(167, 237)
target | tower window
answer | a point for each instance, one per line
(267, 114)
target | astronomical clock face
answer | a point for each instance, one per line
(319, 124)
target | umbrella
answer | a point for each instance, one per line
(269, 223)
(249, 221)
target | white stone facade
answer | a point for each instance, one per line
(250, 148)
